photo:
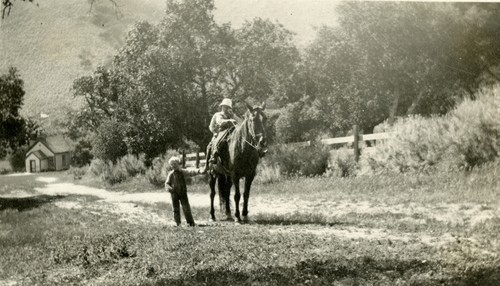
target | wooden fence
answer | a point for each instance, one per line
(197, 160)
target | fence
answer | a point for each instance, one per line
(355, 139)
(197, 160)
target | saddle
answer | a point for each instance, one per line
(220, 154)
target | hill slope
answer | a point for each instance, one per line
(61, 40)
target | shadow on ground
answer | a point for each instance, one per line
(27, 203)
(358, 271)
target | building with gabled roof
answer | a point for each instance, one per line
(49, 154)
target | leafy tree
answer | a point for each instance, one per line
(264, 62)
(82, 155)
(17, 159)
(12, 125)
(298, 121)
(108, 142)
(391, 59)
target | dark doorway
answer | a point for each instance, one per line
(32, 166)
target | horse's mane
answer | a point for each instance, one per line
(241, 133)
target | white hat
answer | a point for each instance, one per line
(226, 102)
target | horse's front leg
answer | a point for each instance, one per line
(224, 193)
(246, 195)
(237, 196)
(211, 183)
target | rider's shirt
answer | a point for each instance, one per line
(216, 124)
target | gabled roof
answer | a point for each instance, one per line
(56, 144)
(39, 154)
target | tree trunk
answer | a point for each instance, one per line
(394, 108)
(415, 103)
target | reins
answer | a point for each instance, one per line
(253, 136)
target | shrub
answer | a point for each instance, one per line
(97, 167)
(157, 173)
(304, 161)
(132, 165)
(467, 137)
(416, 143)
(107, 171)
(77, 173)
(474, 129)
(342, 163)
(268, 174)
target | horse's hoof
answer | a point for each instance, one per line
(229, 218)
(212, 220)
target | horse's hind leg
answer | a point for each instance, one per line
(246, 195)
(224, 191)
(212, 196)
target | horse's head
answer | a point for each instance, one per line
(256, 120)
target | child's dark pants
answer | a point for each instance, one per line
(181, 198)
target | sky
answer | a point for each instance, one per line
(298, 16)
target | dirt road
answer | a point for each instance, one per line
(130, 207)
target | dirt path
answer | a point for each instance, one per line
(127, 207)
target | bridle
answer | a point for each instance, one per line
(255, 137)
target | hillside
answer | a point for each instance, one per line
(61, 40)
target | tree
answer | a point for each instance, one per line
(169, 78)
(12, 125)
(108, 142)
(263, 62)
(392, 59)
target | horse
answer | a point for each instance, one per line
(241, 155)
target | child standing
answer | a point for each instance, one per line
(176, 186)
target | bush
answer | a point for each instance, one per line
(97, 167)
(303, 161)
(126, 167)
(474, 129)
(268, 174)
(342, 163)
(132, 165)
(157, 173)
(468, 136)
(77, 173)
(416, 143)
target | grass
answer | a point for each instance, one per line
(48, 245)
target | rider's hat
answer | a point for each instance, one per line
(226, 102)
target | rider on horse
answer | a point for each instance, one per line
(221, 122)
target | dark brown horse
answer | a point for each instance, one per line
(242, 153)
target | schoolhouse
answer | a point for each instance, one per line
(48, 154)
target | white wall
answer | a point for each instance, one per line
(37, 163)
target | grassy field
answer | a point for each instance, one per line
(436, 229)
